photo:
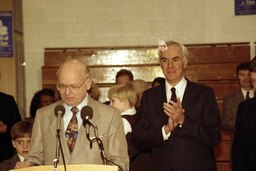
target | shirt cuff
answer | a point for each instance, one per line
(165, 136)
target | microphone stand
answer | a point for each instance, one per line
(100, 144)
(57, 153)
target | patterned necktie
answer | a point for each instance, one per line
(174, 96)
(247, 95)
(72, 130)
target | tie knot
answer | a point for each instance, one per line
(247, 95)
(74, 110)
(173, 90)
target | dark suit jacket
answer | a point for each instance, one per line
(9, 115)
(110, 128)
(244, 144)
(9, 163)
(188, 148)
(230, 106)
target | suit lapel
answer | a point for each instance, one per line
(82, 139)
(160, 98)
(239, 96)
(64, 142)
(189, 94)
(80, 142)
(53, 124)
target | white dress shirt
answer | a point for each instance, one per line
(68, 114)
(180, 89)
(127, 125)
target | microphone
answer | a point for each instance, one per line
(59, 112)
(86, 115)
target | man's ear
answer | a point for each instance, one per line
(89, 83)
(185, 61)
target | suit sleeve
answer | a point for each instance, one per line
(36, 150)
(117, 146)
(13, 113)
(147, 132)
(228, 119)
(240, 144)
(202, 123)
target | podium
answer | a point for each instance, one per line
(78, 167)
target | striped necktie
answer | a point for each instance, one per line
(174, 96)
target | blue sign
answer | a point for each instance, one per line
(245, 7)
(6, 40)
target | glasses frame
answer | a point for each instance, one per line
(62, 87)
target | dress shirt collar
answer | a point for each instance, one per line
(131, 111)
(21, 157)
(180, 89)
(251, 95)
(68, 114)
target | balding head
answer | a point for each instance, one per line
(73, 81)
(72, 64)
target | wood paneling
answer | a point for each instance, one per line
(106, 74)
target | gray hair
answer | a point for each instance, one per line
(183, 49)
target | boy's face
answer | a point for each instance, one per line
(22, 145)
(120, 105)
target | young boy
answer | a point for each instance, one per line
(20, 134)
(124, 98)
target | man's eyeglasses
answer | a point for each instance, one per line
(72, 87)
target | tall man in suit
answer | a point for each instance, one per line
(244, 142)
(232, 101)
(9, 115)
(181, 134)
(73, 83)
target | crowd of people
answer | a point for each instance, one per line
(171, 124)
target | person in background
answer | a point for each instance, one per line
(124, 98)
(140, 86)
(157, 81)
(180, 119)
(124, 76)
(232, 101)
(94, 91)
(9, 115)
(21, 134)
(73, 83)
(40, 99)
(243, 148)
